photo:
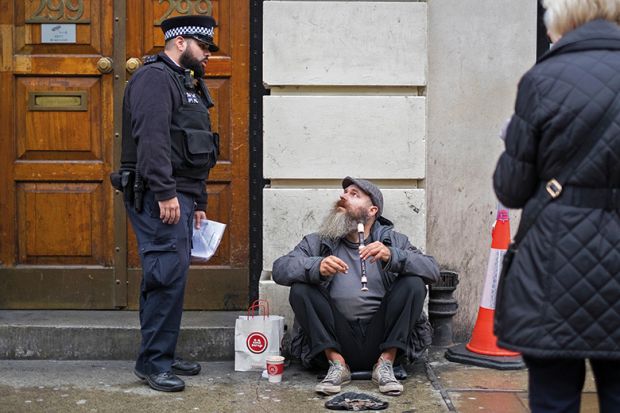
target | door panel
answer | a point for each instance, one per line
(64, 239)
(89, 16)
(40, 209)
(58, 118)
(56, 152)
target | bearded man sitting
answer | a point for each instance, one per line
(337, 325)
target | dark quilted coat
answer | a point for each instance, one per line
(561, 297)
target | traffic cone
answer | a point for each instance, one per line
(482, 349)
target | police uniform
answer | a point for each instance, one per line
(168, 142)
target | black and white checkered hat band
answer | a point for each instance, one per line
(188, 30)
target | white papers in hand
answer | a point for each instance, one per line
(206, 239)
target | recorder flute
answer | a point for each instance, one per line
(360, 232)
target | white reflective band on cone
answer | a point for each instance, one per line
(492, 279)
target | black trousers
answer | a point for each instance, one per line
(359, 344)
(555, 385)
(165, 256)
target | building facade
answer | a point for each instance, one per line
(409, 94)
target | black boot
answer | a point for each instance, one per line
(182, 367)
(165, 381)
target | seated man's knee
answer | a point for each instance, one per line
(299, 291)
(413, 285)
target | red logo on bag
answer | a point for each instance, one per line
(256, 342)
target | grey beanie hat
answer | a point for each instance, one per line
(369, 188)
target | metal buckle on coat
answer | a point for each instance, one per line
(554, 188)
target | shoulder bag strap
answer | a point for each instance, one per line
(553, 189)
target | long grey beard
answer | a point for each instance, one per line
(338, 224)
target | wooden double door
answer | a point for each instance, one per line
(65, 241)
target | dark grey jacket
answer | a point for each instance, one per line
(561, 297)
(301, 265)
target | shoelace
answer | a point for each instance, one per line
(333, 372)
(386, 372)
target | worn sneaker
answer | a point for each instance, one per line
(383, 375)
(337, 376)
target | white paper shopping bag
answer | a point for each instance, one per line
(256, 337)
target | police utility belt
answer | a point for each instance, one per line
(131, 184)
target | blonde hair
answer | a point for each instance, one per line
(562, 16)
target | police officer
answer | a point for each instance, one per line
(168, 150)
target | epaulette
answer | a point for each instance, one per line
(149, 58)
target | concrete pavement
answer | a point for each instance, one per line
(434, 385)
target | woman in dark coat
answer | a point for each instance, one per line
(559, 303)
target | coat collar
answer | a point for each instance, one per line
(169, 62)
(595, 35)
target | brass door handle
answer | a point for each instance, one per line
(104, 65)
(133, 64)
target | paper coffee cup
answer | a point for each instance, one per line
(275, 368)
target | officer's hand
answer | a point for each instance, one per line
(170, 211)
(332, 265)
(198, 217)
(377, 251)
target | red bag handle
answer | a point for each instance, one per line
(255, 307)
